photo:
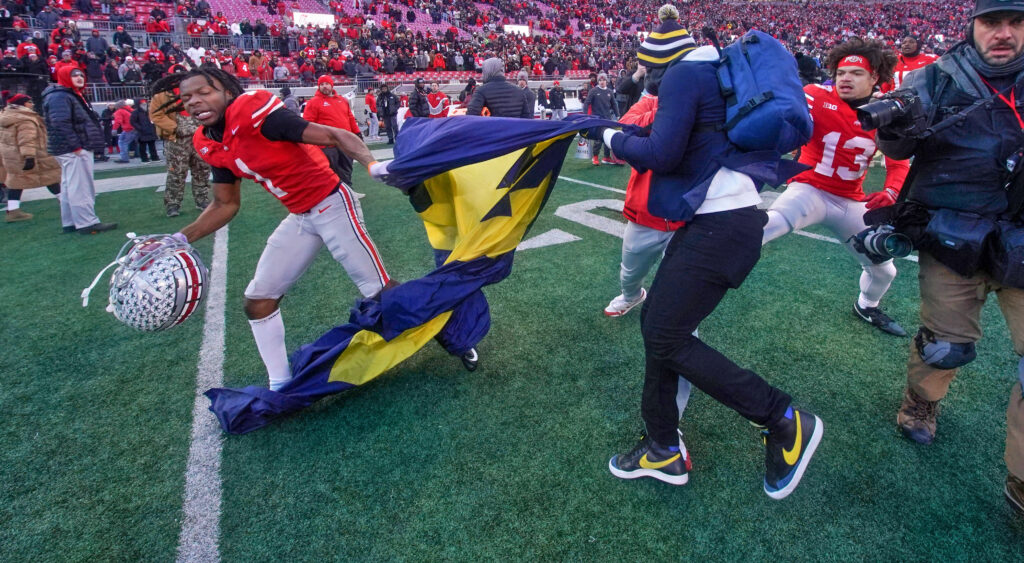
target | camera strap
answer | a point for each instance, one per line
(1012, 101)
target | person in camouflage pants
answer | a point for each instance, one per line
(176, 129)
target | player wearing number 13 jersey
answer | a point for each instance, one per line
(839, 152)
(251, 135)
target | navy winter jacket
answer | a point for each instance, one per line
(683, 155)
(71, 123)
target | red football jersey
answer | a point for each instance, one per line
(903, 67)
(297, 174)
(839, 151)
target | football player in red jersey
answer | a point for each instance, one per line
(839, 152)
(910, 58)
(247, 135)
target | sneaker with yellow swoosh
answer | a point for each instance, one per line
(650, 459)
(789, 446)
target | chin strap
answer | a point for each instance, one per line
(96, 280)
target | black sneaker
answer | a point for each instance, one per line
(173, 211)
(650, 459)
(471, 360)
(97, 228)
(202, 205)
(876, 318)
(788, 450)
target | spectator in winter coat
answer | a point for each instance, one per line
(328, 108)
(629, 88)
(600, 102)
(418, 105)
(145, 132)
(531, 97)
(96, 44)
(124, 128)
(289, 100)
(25, 162)
(73, 133)
(387, 109)
(497, 95)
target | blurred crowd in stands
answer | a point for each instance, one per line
(137, 42)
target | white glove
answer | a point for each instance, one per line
(608, 134)
(379, 170)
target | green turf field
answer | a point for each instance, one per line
(430, 462)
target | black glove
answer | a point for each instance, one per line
(593, 133)
(30, 163)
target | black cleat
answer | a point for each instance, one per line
(97, 228)
(788, 450)
(876, 318)
(650, 459)
(471, 359)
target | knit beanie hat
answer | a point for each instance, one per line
(666, 43)
(19, 99)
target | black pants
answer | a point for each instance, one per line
(392, 127)
(149, 146)
(710, 255)
(340, 163)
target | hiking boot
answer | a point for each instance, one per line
(173, 211)
(650, 459)
(916, 417)
(16, 215)
(97, 228)
(620, 305)
(876, 318)
(1015, 494)
(788, 448)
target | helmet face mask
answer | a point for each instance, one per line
(159, 282)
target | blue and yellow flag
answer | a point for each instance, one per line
(478, 184)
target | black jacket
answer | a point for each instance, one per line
(629, 92)
(71, 123)
(502, 98)
(418, 106)
(144, 128)
(556, 98)
(531, 100)
(387, 105)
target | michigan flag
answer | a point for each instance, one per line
(477, 183)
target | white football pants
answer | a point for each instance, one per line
(802, 205)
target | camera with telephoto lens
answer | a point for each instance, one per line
(887, 109)
(881, 242)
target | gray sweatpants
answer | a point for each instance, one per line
(77, 190)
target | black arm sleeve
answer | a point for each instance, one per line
(223, 175)
(284, 126)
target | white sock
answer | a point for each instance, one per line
(269, 335)
(13, 204)
(864, 303)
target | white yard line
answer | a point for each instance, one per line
(766, 195)
(108, 185)
(200, 526)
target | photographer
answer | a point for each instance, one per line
(962, 210)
